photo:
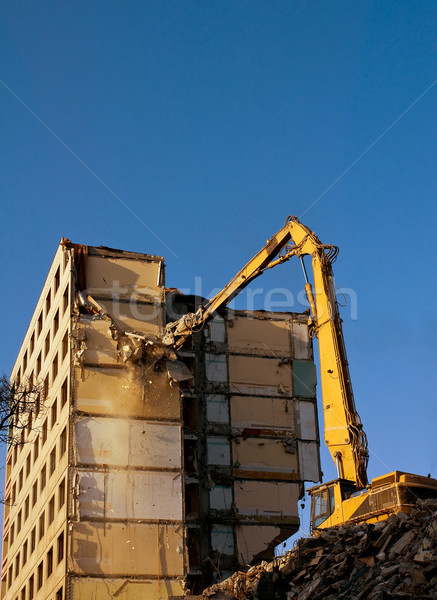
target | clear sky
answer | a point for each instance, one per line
(192, 129)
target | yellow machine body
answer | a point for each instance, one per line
(349, 498)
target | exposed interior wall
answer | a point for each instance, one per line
(250, 436)
(126, 511)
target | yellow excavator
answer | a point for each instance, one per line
(350, 497)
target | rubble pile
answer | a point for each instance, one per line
(395, 558)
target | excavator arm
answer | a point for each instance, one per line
(344, 433)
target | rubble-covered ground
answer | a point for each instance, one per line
(395, 558)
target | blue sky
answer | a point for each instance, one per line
(212, 121)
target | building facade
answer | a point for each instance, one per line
(144, 474)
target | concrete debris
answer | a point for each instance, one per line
(395, 558)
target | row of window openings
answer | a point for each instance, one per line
(21, 559)
(44, 428)
(39, 326)
(52, 463)
(41, 523)
(55, 363)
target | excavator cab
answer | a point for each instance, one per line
(327, 502)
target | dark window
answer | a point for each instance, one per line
(64, 393)
(38, 364)
(61, 494)
(52, 460)
(54, 412)
(43, 478)
(17, 564)
(47, 345)
(44, 433)
(46, 386)
(39, 324)
(50, 562)
(51, 509)
(24, 553)
(32, 344)
(35, 449)
(55, 367)
(24, 362)
(28, 464)
(34, 493)
(26, 507)
(60, 547)
(63, 442)
(65, 298)
(65, 345)
(31, 587)
(41, 526)
(56, 323)
(57, 279)
(59, 594)
(48, 302)
(33, 540)
(40, 574)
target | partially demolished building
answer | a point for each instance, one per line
(145, 474)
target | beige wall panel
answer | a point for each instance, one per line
(135, 316)
(123, 276)
(301, 341)
(138, 392)
(84, 588)
(309, 461)
(256, 336)
(266, 498)
(266, 376)
(251, 412)
(127, 549)
(100, 347)
(130, 494)
(307, 420)
(252, 539)
(258, 454)
(127, 442)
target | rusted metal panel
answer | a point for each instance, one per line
(128, 549)
(250, 412)
(119, 442)
(259, 336)
(266, 498)
(259, 376)
(107, 588)
(128, 494)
